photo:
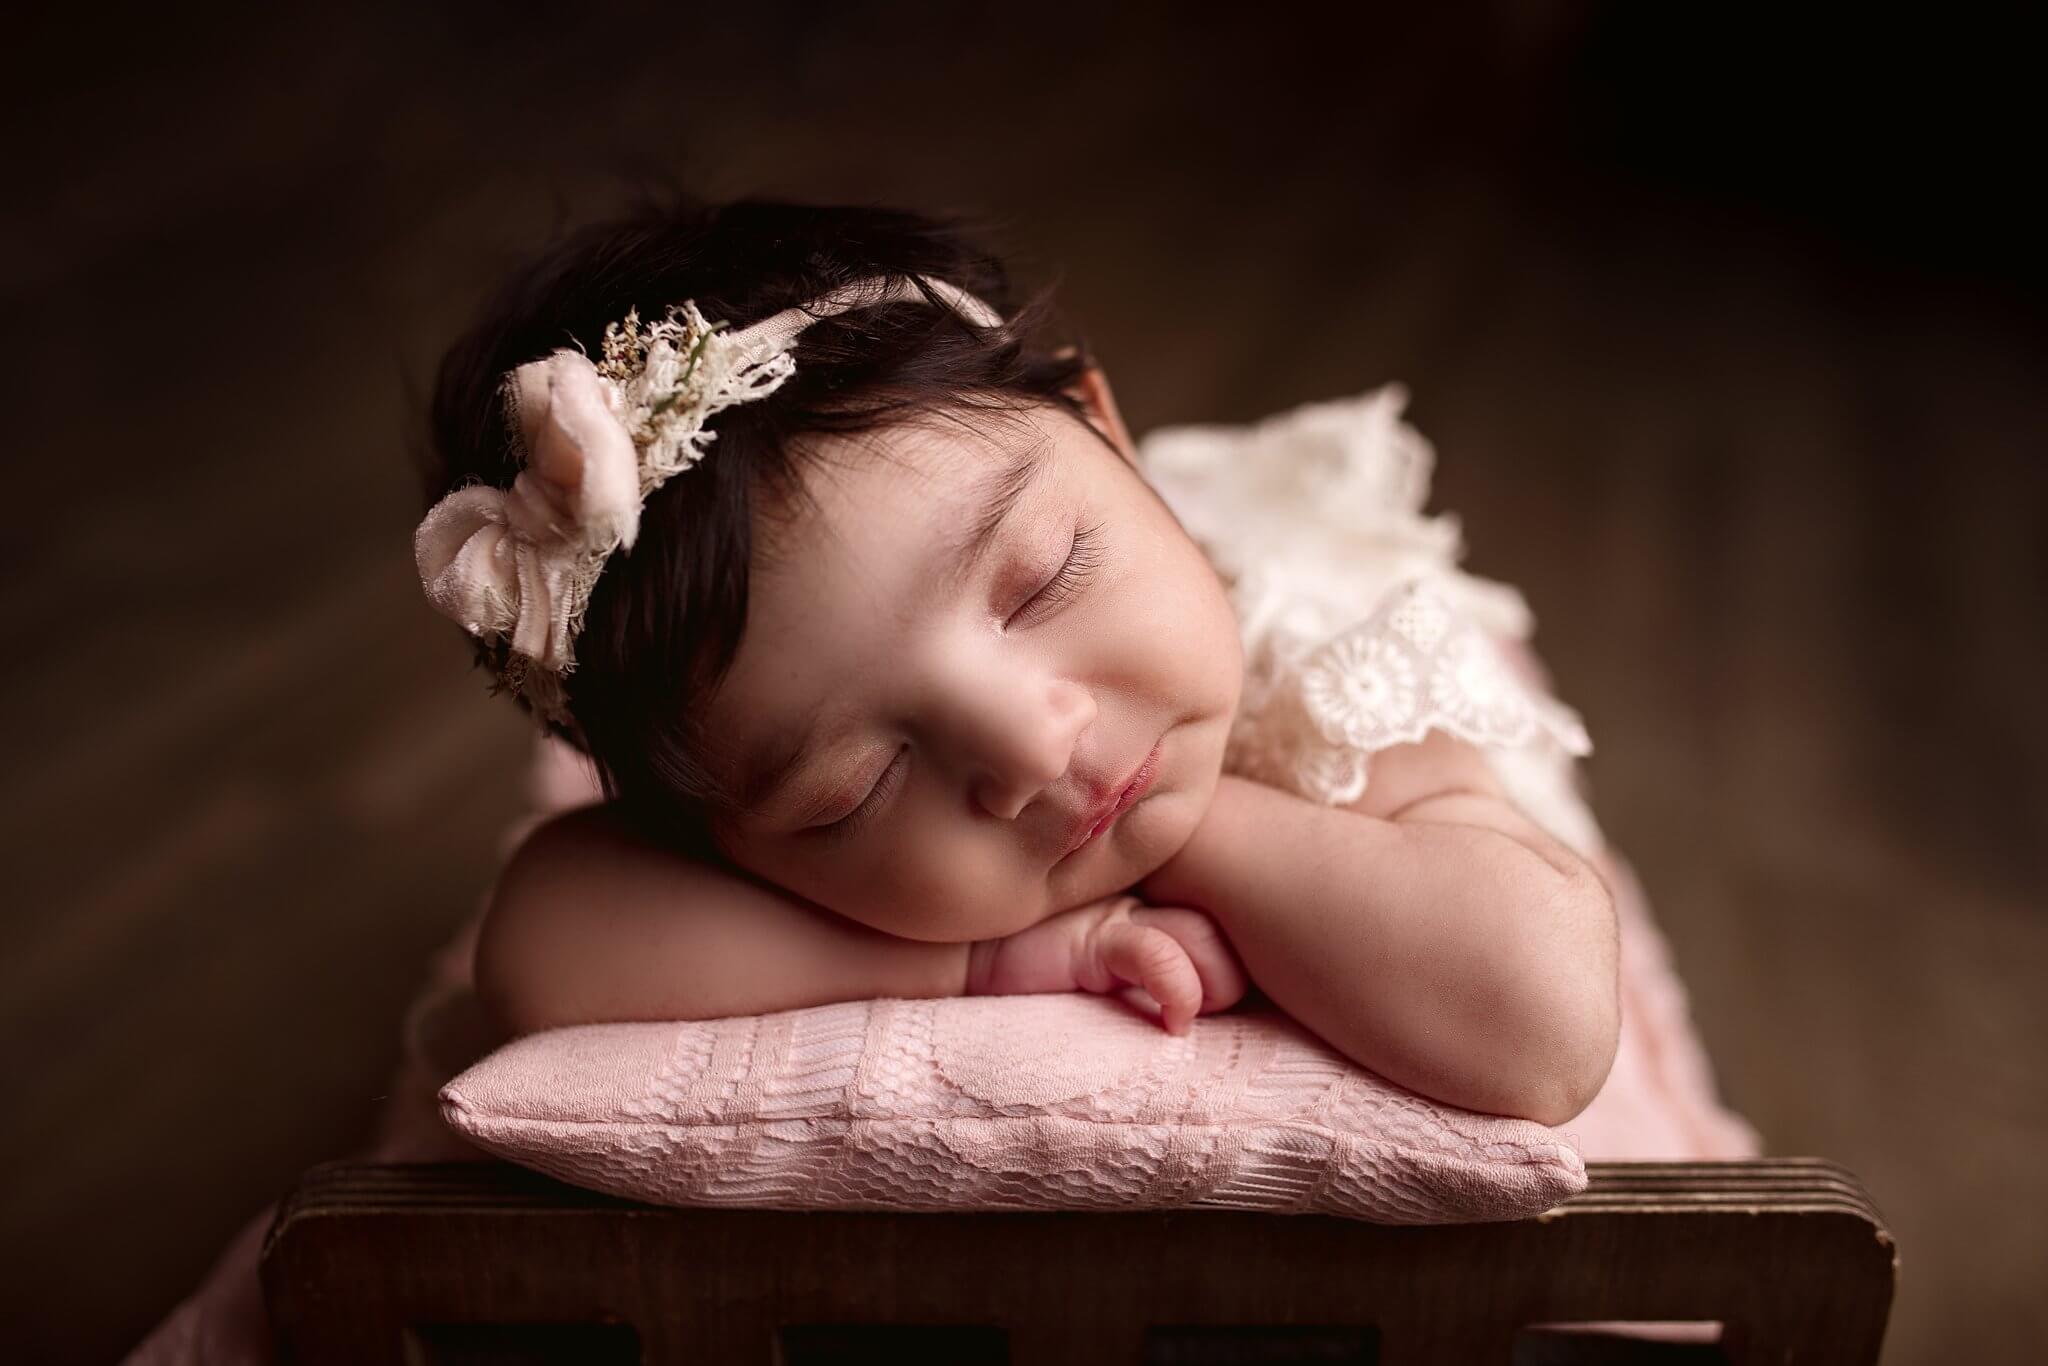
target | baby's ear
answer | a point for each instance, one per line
(1092, 392)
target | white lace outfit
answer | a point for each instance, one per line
(1360, 631)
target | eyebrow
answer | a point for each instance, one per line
(996, 495)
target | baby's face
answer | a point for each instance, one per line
(969, 717)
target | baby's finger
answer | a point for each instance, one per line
(1154, 960)
(1223, 978)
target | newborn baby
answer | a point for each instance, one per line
(912, 685)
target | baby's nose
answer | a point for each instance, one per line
(1028, 743)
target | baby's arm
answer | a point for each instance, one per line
(590, 922)
(1432, 932)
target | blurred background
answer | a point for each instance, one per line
(1727, 323)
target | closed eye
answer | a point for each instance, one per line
(878, 797)
(1084, 557)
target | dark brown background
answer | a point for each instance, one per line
(1727, 328)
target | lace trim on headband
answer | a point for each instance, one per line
(674, 376)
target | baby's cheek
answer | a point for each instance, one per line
(985, 900)
(944, 895)
(925, 884)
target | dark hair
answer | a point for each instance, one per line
(665, 620)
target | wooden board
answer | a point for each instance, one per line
(463, 1262)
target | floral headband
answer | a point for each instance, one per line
(596, 440)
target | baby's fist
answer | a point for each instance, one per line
(1177, 956)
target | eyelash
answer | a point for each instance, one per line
(1084, 557)
(853, 820)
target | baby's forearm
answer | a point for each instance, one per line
(1449, 957)
(592, 922)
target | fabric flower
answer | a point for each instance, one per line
(518, 562)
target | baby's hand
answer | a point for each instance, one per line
(1176, 955)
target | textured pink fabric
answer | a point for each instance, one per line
(1028, 1102)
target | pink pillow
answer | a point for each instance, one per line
(1018, 1102)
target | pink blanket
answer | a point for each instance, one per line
(1659, 1103)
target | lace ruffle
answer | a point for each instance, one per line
(1314, 514)
(1414, 665)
